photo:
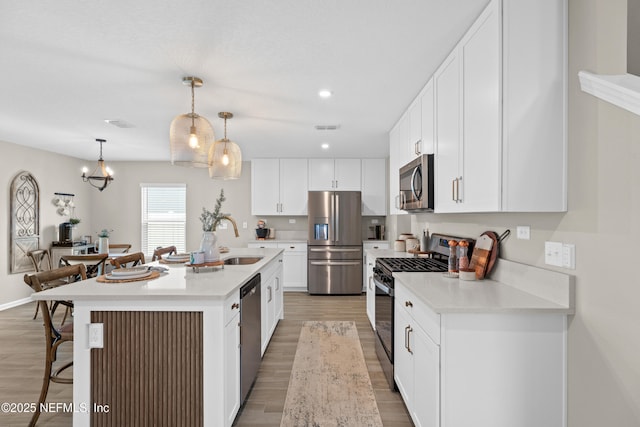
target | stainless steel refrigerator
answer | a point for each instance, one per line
(335, 242)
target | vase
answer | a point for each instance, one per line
(103, 245)
(209, 245)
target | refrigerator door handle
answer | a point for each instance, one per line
(336, 217)
(334, 249)
(336, 263)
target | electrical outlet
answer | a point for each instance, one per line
(374, 221)
(244, 224)
(569, 256)
(292, 221)
(553, 253)
(223, 225)
(523, 232)
(96, 335)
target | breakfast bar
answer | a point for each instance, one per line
(163, 350)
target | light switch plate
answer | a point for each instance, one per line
(553, 253)
(569, 256)
(96, 335)
(523, 232)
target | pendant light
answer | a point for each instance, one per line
(102, 175)
(225, 156)
(191, 135)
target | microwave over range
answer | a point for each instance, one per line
(416, 185)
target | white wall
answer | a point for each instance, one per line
(603, 221)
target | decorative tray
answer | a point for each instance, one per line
(169, 261)
(104, 279)
(197, 267)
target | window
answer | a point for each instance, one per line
(163, 216)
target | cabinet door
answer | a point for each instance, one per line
(347, 174)
(294, 268)
(403, 359)
(278, 296)
(265, 186)
(428, 119)
(426, 386)
(321, 175)
(395, 159)
(232, 369)
(293, 186)
(414, 141)
(374, 187)
(481, 163)
(447, 93)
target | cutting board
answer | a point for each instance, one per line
(481, 256)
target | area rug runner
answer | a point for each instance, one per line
(329, 384)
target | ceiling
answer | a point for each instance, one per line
(69, 65)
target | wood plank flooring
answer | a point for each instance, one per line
(22, 359)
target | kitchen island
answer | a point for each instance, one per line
(168, 351)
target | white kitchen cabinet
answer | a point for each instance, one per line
(271, 298)
(369, 261)
(447, 159)
(232, 358)
(397, 159)
(374, 187)
(334, 174)
(294, 263)
(486, 369)
(294, 274)
(279, 187)
(468, 98)
(414, 141)
(417, 360)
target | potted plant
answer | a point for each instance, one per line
(103, 241)
(210, 221)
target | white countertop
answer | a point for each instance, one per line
(451, 295)
(180, 283)
(515, 287)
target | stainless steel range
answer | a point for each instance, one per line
(383, 278)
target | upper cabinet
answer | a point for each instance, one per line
(334, 174)
(397, 159)
(374, 187)
(498, 113)
(279, 187)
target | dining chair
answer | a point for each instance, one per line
(119, 248)
(157, 254)
(129, 260)
(54, 337)
(41, 260)
(94, 263)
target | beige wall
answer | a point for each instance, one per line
(602, 221)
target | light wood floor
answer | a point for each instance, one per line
(21, 363)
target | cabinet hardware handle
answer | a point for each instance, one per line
(277, 283)
(453, 189)
(406, 333)
(292, 247)
(409, 340)
(459, 198)
(370, 283)
(235, 306)
(279, 259)
(408, 304)
(270, 296)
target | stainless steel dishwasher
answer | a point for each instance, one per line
(250, 327)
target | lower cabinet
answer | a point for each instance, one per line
(368, 286)
(232, 360)
(271, 301)
(481, 369)
(417, 368)
(294, 275)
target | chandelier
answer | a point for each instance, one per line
(102, 175)
(191, 135)
(225, 157)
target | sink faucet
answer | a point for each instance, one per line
(231, 220)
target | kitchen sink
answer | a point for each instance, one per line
(242, 260)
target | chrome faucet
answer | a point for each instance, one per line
(231, 220)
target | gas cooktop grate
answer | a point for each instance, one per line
(412, 264)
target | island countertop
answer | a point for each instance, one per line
(179, 283)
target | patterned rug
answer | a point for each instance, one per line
(329, 384)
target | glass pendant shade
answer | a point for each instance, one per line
(189, 148)
(226, 160)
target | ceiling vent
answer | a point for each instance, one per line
(327, 127)
(120, 124)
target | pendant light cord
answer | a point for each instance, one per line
(193, 108)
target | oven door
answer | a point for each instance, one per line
(384, 316)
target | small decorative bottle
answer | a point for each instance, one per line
(453, 256)
(463, 258)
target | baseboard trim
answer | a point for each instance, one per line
(15, 303)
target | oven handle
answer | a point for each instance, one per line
(384, 288)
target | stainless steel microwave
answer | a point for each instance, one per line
(416, 185)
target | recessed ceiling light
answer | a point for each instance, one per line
(119, 123)
(325, 93)
(325, 146)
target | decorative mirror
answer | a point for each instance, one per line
(25, 221)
